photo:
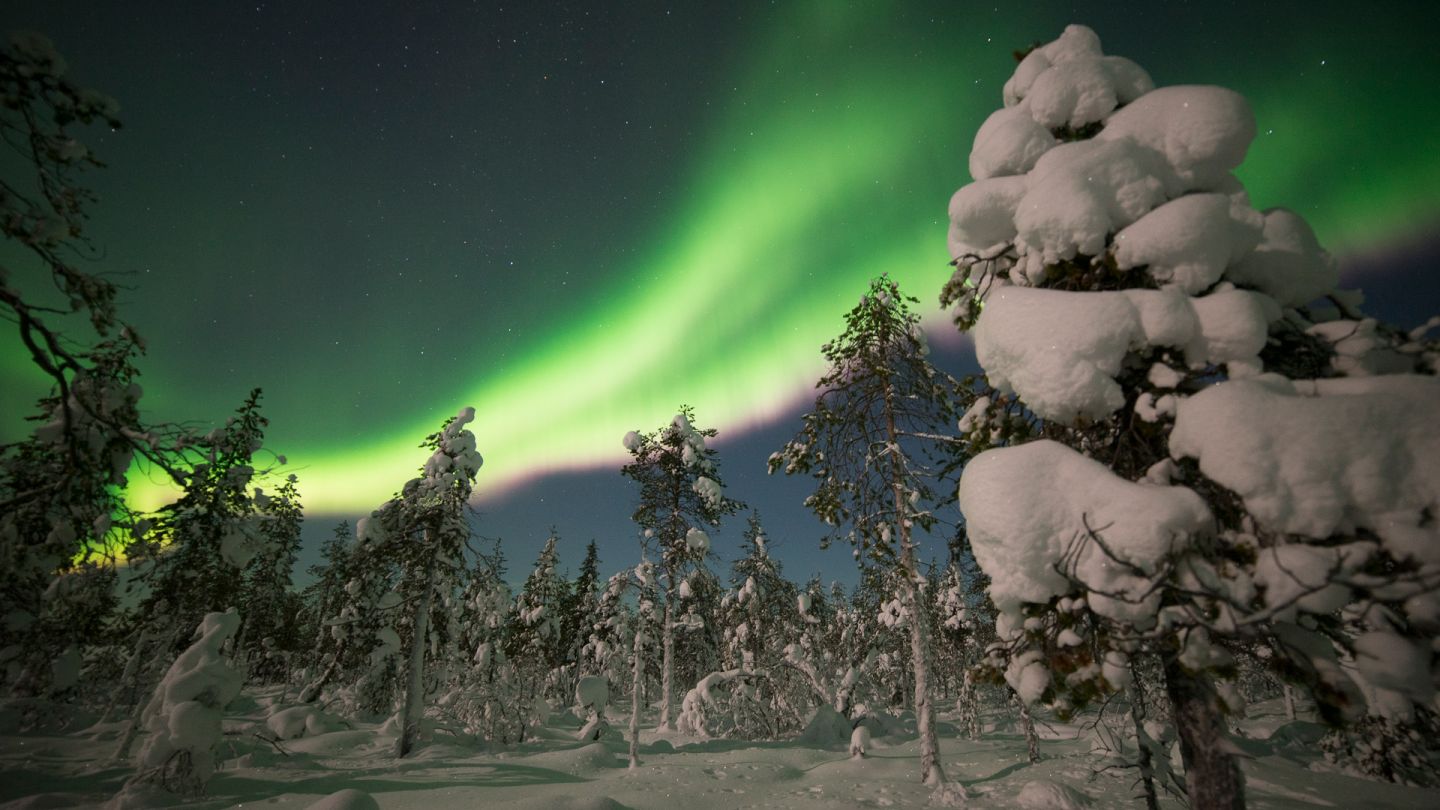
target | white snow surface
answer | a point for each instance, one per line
(1359, 453)
(1189, 241)
(1080, 192)
(1025, 505)
(1060, 351)
(1288, 265)
(1201, 131)
(354, 768)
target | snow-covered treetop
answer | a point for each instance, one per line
(1088, 174)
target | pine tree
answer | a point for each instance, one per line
(680, 492)
(423, 530)
(865, 443)
(324, 595)
(609, 640)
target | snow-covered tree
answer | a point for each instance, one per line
(535, 642)
(484, 694)
(183, 717)
(647, 617)
(1224, 458)
(269, 607)
(578, 613)
(681, 492)
(607, 645)
(62, 506)
(324, 595)
(423, 529)
(866, 444)
(213, 531)
(760, 613)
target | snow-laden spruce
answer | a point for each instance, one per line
(183, 717)
(1230, 472)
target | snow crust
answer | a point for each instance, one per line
(1024, 506)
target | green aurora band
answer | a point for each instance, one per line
(833, 164)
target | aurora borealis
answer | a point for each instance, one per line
(576, 217)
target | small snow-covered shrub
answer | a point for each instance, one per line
(183, 717)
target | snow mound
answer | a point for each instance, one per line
(1024, 506)
(826, 728)
(1042, 794)
(1189, 241)
(1079, 193)
(297, 721)
(1288, 264)
(1359, 453)
(347, 799)
(1201, 131)
(982, 214)
(583, 759)
(1069, 82)
(1061, 351)
(587, 802)
(1009, 143)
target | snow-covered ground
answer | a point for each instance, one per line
(1283, 769)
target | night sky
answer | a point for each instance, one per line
(578, 216)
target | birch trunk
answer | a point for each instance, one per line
(636, 694)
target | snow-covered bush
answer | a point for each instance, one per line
(183, 717)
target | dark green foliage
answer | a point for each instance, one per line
(200, 543)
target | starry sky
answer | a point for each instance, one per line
(578, 216)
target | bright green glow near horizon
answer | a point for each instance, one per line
(792, 207)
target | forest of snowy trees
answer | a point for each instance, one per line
(1194, 475)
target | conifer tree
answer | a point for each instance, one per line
(535, 642)
(681, 492)
(579, 612)
(212, 532)
(424, 530)
(269, 620)
(1206, 398)
(866, 443)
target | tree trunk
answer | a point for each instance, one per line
(968, 705)
(1027, 722)
(667, 662)
(1212, 775)
(415, 689)
(1142, 745)
(637, 669)
(931, 772)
